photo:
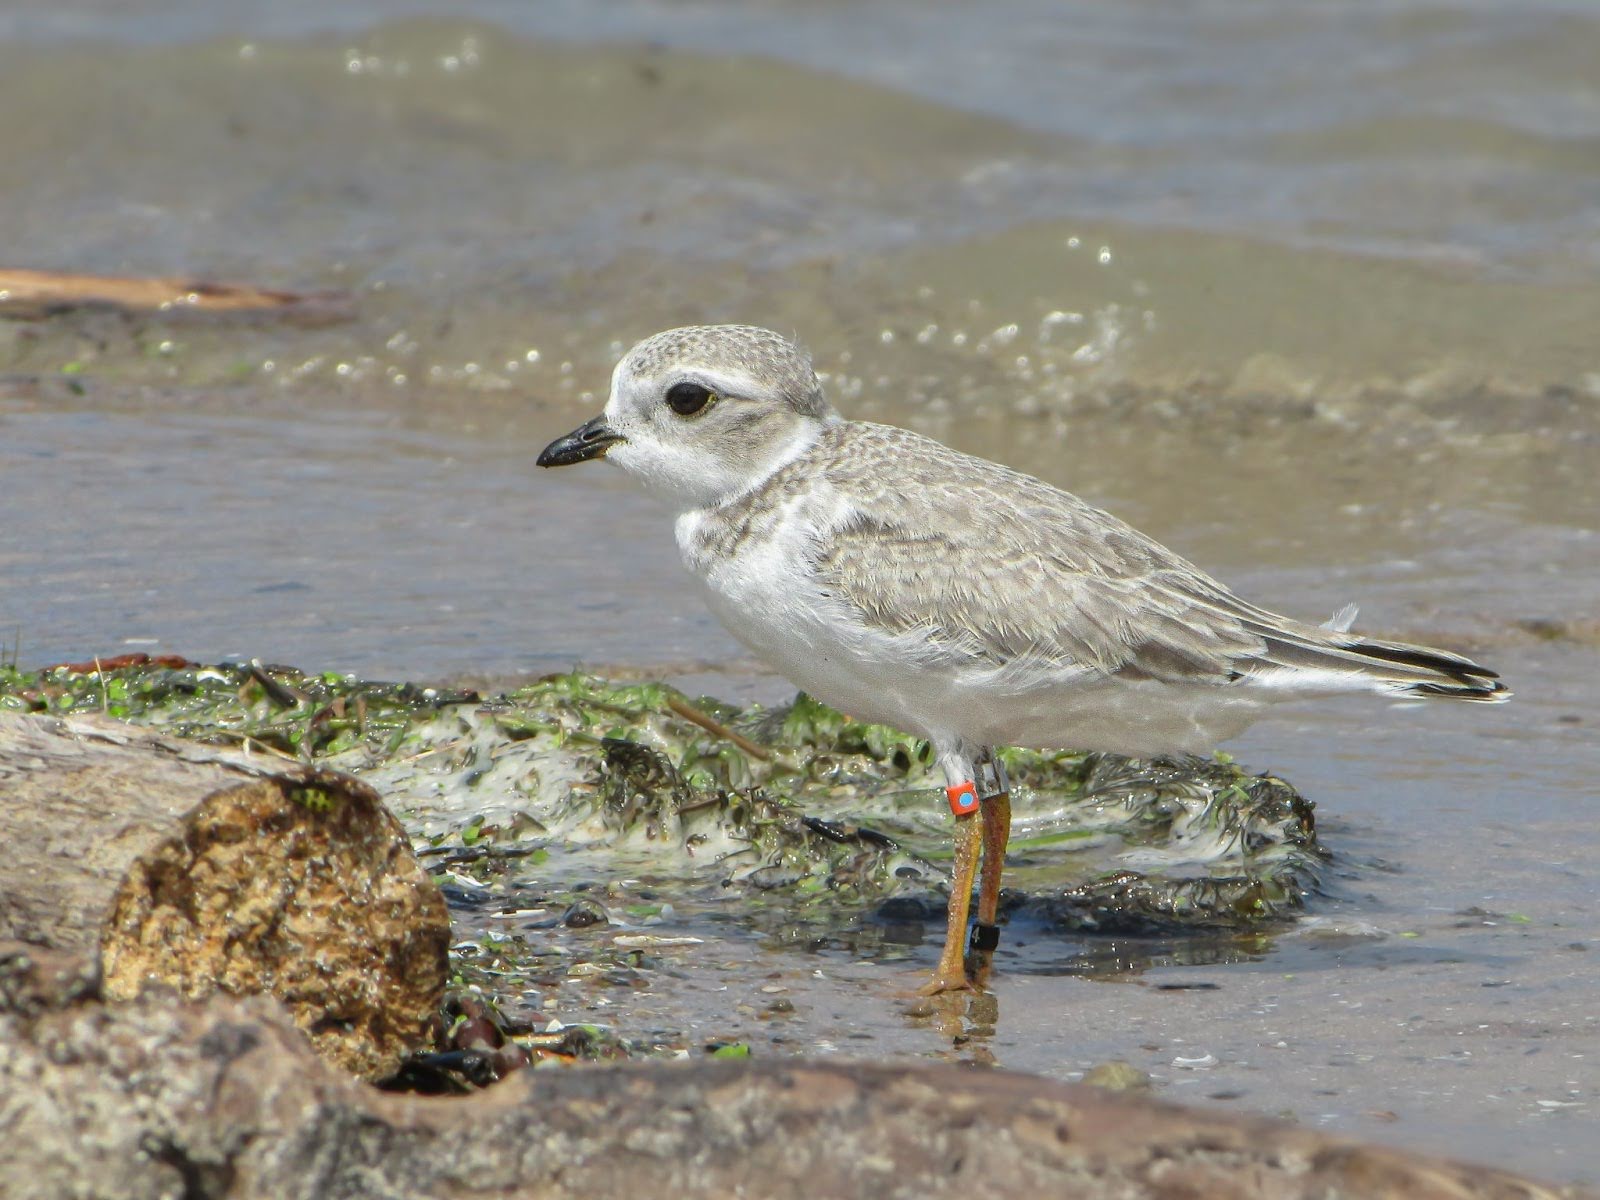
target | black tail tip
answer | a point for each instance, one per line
(1480, 691)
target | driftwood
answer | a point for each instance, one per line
(33, 295)
(174, 866)
(223, 1098)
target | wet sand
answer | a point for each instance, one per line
(1331, 359)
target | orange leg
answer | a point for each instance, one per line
(951, 973)
(996, 832)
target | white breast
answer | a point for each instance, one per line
(765, 593)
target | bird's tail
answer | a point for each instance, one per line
(1333, 651)
(1424, 671)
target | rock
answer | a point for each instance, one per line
(35, 979)
(171, 866)
(224, 1097)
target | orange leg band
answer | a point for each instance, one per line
(963, 798)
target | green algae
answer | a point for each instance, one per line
(608, 848)
(812, 818)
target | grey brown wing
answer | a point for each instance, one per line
(1057, 591)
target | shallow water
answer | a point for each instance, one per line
(1309, 297)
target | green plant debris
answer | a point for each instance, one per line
(598, 840)
(575, 776)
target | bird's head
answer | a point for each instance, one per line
(702, 413)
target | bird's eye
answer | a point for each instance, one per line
(686, 399)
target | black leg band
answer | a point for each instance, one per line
(985, 937)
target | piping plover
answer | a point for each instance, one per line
(906, 583)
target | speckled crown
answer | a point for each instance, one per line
(758, 353)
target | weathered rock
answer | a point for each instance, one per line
(215, 874)
(224, 1098)
(35, 979)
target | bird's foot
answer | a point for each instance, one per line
(946, 981)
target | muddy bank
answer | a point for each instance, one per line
(139, 1092)
(225, 1099)
(614, 894)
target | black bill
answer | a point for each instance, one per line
(589, 440)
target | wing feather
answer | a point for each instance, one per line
(1005, 568)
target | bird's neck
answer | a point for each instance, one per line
(783, 452)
